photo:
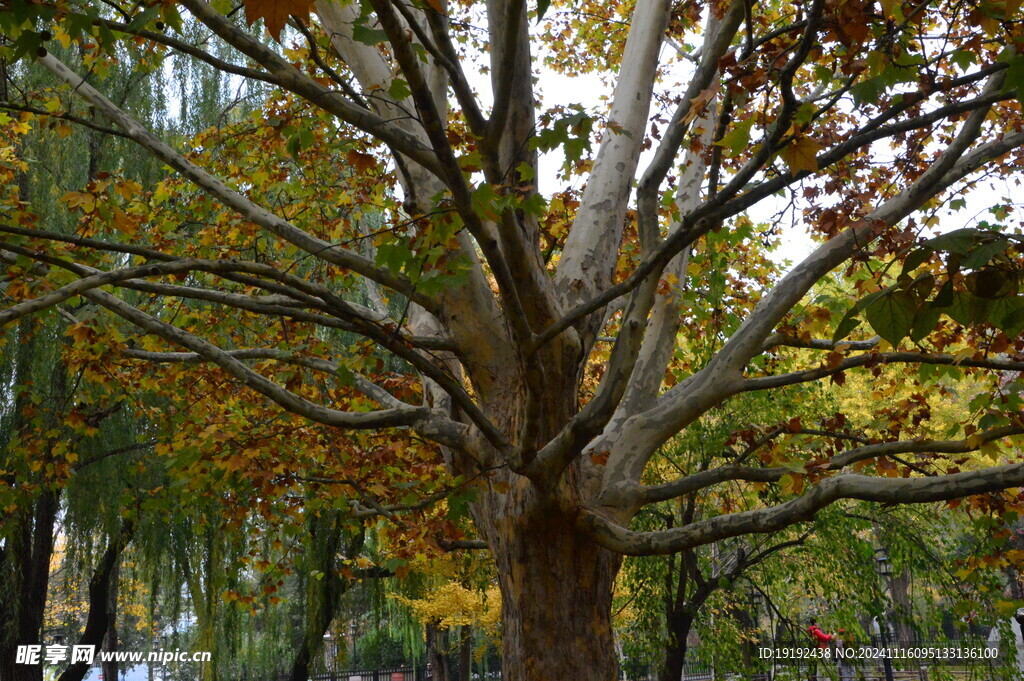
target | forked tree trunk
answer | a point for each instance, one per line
(556, 589)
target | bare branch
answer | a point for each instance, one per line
(777, 340)
(77, 120)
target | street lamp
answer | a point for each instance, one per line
(884, 569)
(882, 563)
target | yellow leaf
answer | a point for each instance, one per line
(87, 202)
(975, 441)
(801, 154)
(792, 483)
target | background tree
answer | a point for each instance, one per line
(500, 304)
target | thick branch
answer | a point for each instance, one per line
(864, 488)
(589, 256)
(870, 359)
(689, 484)
(292, 79)
(386, 418)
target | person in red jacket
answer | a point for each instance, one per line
(820, 636)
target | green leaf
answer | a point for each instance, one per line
(944, 297)
(394, 255)
(399, 89)
(345, 376)
(991, 283)
(891, 316)
(959, 241)
(1015, 76)
(392, 564)
(916, 258)
(1008, 314)
(925, 321)
(963, 58)
(526, 171)
(368, 36)
(484, 201)
(737, 139)
(968, 309)
(849, 322)
(458, 504)
(143, 18)
(542, 8)
(984, 252)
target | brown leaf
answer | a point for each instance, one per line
(362, 162)
(275, 13)
(801, 154)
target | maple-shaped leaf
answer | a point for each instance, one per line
(362, 162)
(801, 154)
(275, 13)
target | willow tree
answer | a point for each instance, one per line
(543, 333)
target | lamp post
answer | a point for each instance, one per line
(884, 569)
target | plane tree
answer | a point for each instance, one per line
(534, 331)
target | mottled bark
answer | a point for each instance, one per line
(556, 586)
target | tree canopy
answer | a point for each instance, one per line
(367, 262)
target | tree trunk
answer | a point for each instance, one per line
(899, 586)
(465, 653)
(556, 586)
(437, 659)
(25, 562)
(322, 595)
(99, 591)
(679, 626)
(110, 667)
